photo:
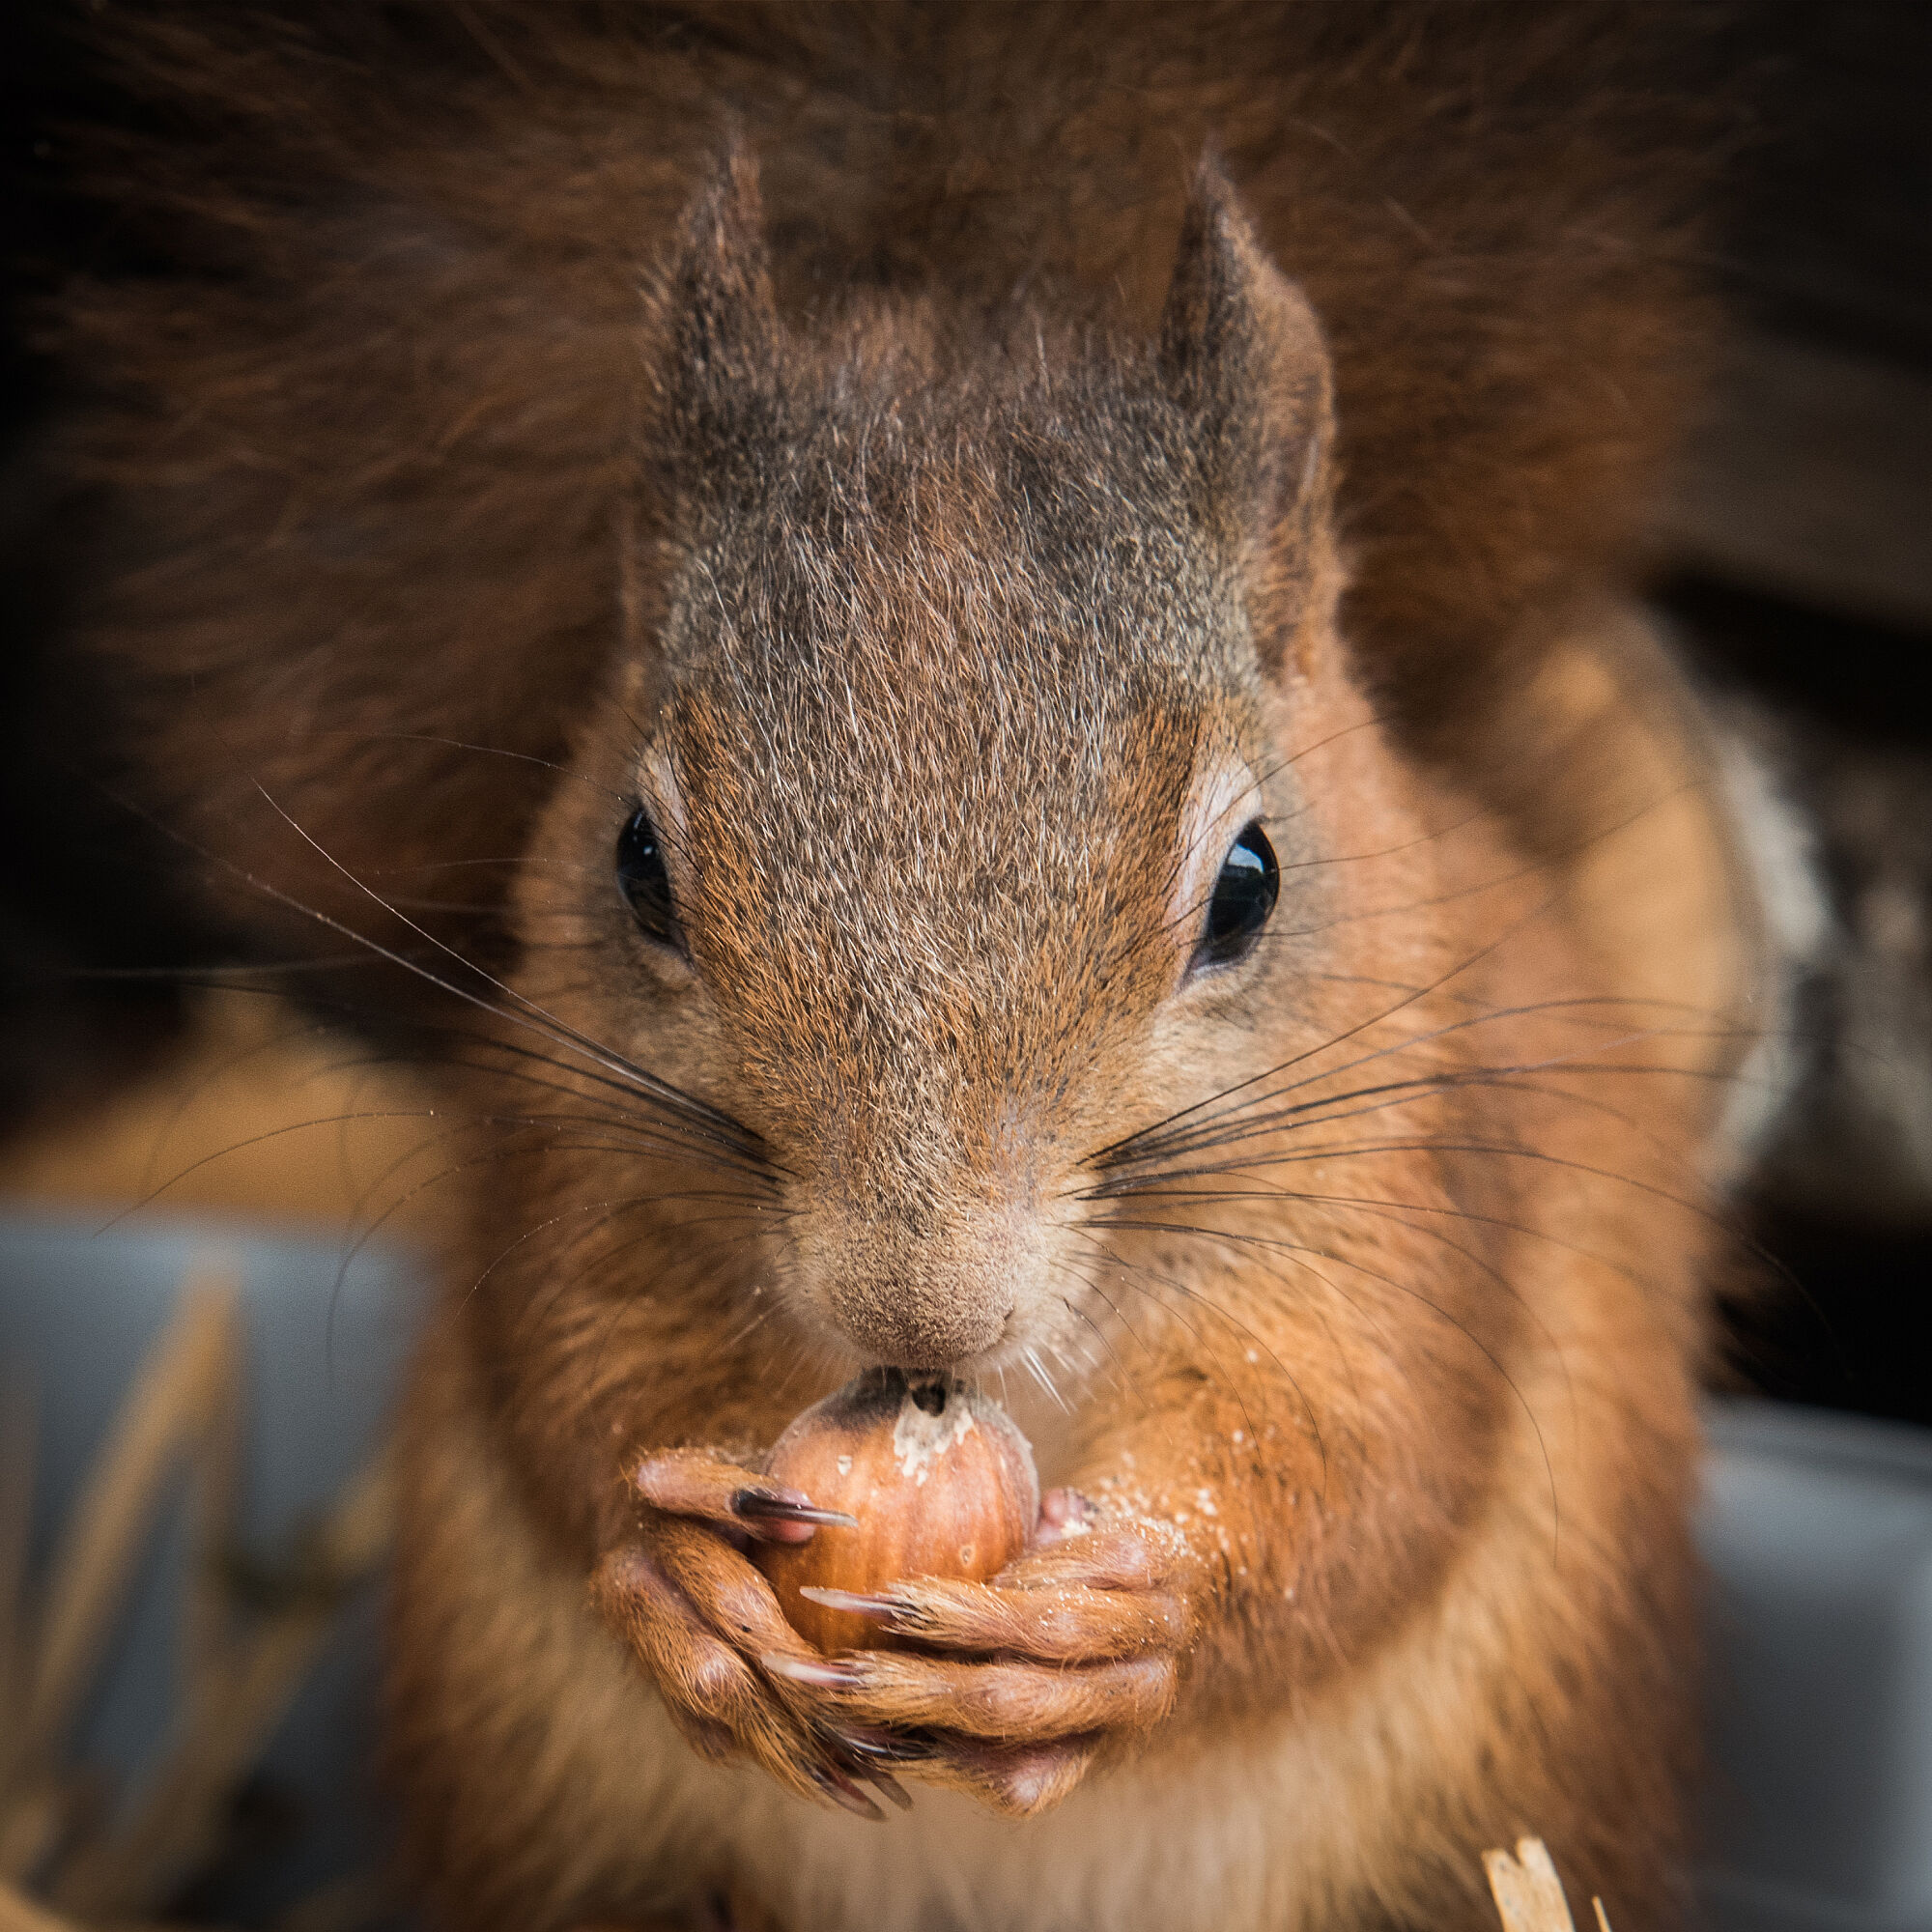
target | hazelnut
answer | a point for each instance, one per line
(941, 1484)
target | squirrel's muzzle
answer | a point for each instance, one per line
(911, 1290)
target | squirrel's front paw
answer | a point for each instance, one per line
(1077, 1642)
(707, 1626)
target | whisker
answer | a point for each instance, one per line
(1150, 1140)
(1119, 1264)
(488, 750)
(1037, 1370)
(1122, 1380)
(1114, 1149)
(684, 1109)
(1389, 1281)
(154, 1194)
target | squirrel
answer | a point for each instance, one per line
(971, 672)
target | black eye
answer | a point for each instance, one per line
(643, 881)
(1244, 895)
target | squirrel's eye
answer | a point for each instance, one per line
(643, 881)
(1244, 895)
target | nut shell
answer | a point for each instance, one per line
(941, 1484)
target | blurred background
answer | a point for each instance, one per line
(1797, 561)
(1793, 560)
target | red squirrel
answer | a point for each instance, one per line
(972, 668)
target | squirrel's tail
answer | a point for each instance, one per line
(358, 399)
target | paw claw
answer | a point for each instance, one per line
(846, 1795)
(785, 1509)
(884, 1746)
(853, 1601)
(887, 1787)
(805, 1670)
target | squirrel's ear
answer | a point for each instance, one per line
(1241, 353)
(719, 331)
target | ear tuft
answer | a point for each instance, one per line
(1241, 353)
(1207, 314)
(718, 323)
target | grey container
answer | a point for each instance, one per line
(1818, 1532)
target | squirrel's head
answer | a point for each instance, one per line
(957, 822)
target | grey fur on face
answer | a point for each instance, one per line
(936, 629)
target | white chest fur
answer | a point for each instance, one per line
(1217, 1843)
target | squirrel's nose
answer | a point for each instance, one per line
(908, 1293)
(928, 1323)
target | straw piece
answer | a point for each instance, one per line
(31, 1819)
(181, 1820)
(19, 1913)
(176, 1386)
(208, 1613)
(1528, 1893)
(242, 1666)
(17, 1422)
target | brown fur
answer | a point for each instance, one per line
(944, 565)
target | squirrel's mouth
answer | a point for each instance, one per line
(1053, 1344)
(917, 1341)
